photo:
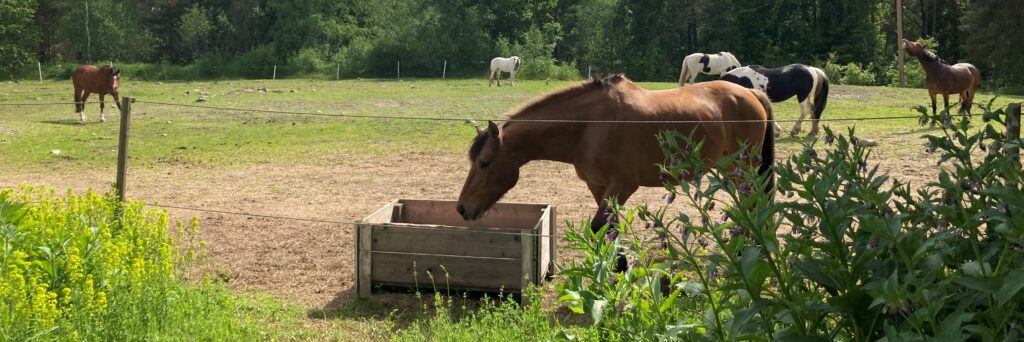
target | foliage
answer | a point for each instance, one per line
(843, 252)
(851, 73)
(196, 28)
(487, 319)
(70, 269)
(17, 34)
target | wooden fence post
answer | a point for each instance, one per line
(122, 146)
(399, 70)
(1013, 131)
(275, 71)
(40, 66)
(337, 73)
(444, 70)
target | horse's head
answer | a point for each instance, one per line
(914, 49)
(112, 77)
(493, 171)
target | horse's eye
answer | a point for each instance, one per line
(484, 164)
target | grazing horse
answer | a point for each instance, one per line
(499, 64)
(945, 79)
(89, 79)
(708, 64)
(807, 83)
(614, 158)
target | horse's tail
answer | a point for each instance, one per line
(821, 98)
(765, 169)
(684, 74)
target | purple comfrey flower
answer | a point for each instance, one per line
(829, 139)
(992, 150)
(735, 230)
(704, 220)
(923, 120)
(854, 140)
(862, 166)
(725, 217)
(702, 243)
(684, 233)
(887, 213)
(775, 282)
(648, 225)
(670, 197)
(872, 244)
(791, 261)
(943, 225)
(619, 307)
(663, 177)
(663, 240)
(811, 152)
(982, 147)
(612, 234)
(1002, 209)
(947, 121)
(930, 148)
(745, 189)
(613, 280)
(711, 206)
(712, 273)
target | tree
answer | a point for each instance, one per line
(995, 37)
(195, 28)
(17, 32)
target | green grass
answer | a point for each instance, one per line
(179, 135)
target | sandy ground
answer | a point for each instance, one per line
(311, 264)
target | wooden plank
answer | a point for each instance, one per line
(382, 215)
(529, 260)
(502, 215)
(548, 244)
(456, 273)
(461, 242)
(364, 271)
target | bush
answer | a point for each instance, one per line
(72, 270)
(844, 253)
(308, 61)
(854, 74)
(913, 74)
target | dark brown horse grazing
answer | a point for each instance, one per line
(90, 79)
(945, 79)
(614, 159)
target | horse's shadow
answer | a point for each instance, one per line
(70, 122)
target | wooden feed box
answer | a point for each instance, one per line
(511, 247)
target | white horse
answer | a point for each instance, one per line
(715, 64)
(499, 64)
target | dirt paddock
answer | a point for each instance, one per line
(309, 263)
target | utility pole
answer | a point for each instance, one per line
(899, 40)
(88, 37)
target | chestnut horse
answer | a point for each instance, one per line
(612, 157)
(945, 79)
(89, 79)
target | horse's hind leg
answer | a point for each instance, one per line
(498, 77)
(966, 101)
(806, 108)
(103, 117)
(85, 97)
(79, 107)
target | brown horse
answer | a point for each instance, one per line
(90, 79)
(614, 158)
(945, 79)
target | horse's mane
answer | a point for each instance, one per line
(561, 95)
(567, 94)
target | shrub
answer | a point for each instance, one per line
(72, 269)
(854, 74)
(308, 61)
(843, 252)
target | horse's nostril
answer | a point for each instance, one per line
(461, 209)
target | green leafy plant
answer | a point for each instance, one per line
(840, 252)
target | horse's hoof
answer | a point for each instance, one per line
(103, 119)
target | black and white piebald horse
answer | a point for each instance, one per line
(807, 83)
(708, 64)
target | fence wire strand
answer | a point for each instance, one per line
(469, 120)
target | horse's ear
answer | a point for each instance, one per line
(479, 130)
(492, 129)
(116, 72)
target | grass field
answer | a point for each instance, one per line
(332, 168)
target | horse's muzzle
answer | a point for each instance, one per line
(468, 215)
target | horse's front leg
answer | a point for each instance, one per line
(103, 117)
(498, 77)
(945, 102)
(932, 95)
(512, 78)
